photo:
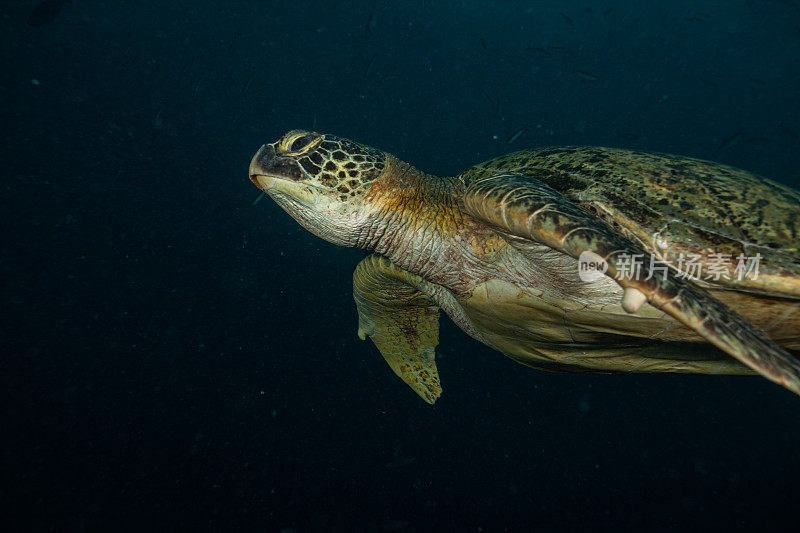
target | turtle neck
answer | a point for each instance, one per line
(415, 221)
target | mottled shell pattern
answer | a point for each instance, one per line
(675, 205)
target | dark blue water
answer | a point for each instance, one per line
(174, 358)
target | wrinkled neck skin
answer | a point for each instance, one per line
(415, 221)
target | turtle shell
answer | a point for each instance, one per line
(742, 230)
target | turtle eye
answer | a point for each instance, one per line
(301, 142)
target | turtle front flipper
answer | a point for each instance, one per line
(525, 207)
(401, 320)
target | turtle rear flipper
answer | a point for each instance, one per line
(525, 207)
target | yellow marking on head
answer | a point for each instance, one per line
(285, 144)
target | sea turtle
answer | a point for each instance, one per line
(500, 248)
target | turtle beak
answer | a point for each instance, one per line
(266, 166)
(260, 167)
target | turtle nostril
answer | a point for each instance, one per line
(266, 153)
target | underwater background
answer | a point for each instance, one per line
(176, 356)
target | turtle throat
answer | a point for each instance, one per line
(413, 219)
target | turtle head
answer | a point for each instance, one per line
(320, 180)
